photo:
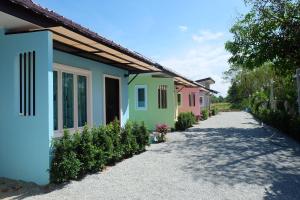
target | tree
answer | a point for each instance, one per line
(270, 32)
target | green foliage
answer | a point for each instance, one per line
(204, 114)
(113, 130)
(214, 111)
(104, 143)
(89, 151)
(128, 140)
(221, 107)
(268, 32)
(185, 120)
(142, 135)
(65, 165)
(219, 99)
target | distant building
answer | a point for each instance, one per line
(205, 96)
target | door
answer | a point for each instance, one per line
(112, 99)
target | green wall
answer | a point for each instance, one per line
(152, 116)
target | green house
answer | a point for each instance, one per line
(152, 100)
(153, 97)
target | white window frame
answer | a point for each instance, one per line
(104, 96)
(137, 87)
(179, 93)
(60, 68)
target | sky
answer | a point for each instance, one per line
(187, 36)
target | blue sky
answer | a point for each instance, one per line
(187, 36)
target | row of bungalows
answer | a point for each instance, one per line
(158, 98)
(56, 75)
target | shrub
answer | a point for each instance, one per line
(103, 142)
(85, 150)
(141, 134)
(184, 121)
(294, 128)
(214, 111)
(128, 140)
(65, 165)
(77, 155)
(162, 129)
(113, 130)
(204, 114)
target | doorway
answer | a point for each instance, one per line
(112, 99)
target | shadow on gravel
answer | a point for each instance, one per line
(236, 156)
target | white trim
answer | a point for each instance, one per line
(104, 96)
(75, 71)
(136, 97)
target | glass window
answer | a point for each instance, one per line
(68, 100)
(141, 97)
(55, 97)
(179, 99)
(192, 99)
(82, 100)
(162, 97)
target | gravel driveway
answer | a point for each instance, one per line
(229, 156)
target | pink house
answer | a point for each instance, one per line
(188, 100)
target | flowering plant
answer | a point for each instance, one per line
(162, 129)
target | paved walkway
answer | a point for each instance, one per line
(229, 156)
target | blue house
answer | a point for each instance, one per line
(55, 74)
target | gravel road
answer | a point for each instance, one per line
(229, 156)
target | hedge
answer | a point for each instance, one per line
(74, 156)
(185, 120)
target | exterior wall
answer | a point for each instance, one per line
(185, 107)
(25, 140)
(98, 71)
(153, 116)
(206, 100)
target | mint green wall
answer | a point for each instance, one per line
(25, 141)
(152, 115)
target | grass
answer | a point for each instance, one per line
(222, 107)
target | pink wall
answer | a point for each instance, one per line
(185, 107)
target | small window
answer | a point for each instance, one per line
(179, 99)
(192, 99)
(162, 97)
(141, 97)
(201, 100)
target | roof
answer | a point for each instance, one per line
(63, 27)
(180, 79)
(206, 79)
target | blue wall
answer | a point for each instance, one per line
(98, 70)
(24, 141)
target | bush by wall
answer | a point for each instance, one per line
(204, 114)
(185, 120)
(89, 151)
(214, 111)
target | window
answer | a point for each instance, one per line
(201, 100)
(71, 97)
(192, 99)
(162, 97)
(141, 97)
(179, 99)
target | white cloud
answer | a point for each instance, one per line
(202, 60)
(183, 28)
(204, 36)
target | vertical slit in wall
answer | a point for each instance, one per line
(21, 88)
(33, 82)
(25, 94)
(29, 83)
